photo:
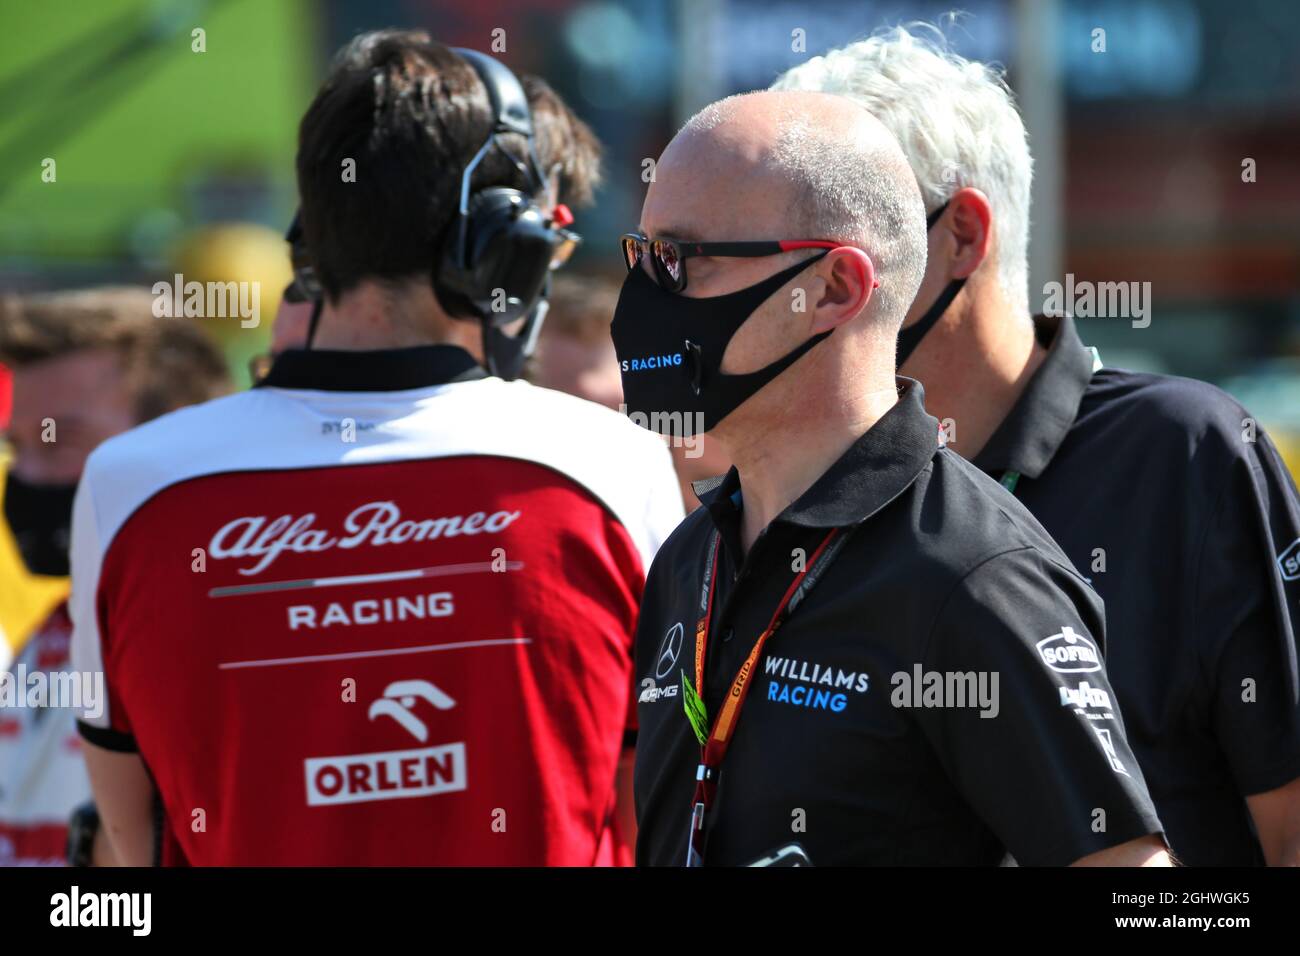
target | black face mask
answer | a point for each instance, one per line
(40, 517)
(910, 337)
(670, 350)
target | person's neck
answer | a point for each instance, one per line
(975, 365)
(369, 318)
(782, 451)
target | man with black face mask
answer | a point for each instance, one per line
(1161, 489)
(860, 642)
(86, 366)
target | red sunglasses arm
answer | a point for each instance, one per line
(787, 245)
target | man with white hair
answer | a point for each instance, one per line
(906, 710)
(1166, 478)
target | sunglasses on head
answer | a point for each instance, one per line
(668, 256)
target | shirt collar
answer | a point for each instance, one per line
(381, 370)
(875, 470)
(1039, 421)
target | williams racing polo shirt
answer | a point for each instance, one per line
(1166, 493)
(938, 696)
(378, 611)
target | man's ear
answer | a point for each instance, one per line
(968, 225)
(849, 278)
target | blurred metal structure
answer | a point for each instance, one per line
(1041, 94)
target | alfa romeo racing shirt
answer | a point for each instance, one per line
(939, 696)
(1166, 493)
(378, 611)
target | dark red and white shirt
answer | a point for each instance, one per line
(378, 611)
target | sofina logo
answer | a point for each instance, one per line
(1289, 562)
(650, 362)
(1069, 653)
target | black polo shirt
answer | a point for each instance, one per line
(847, 744)
(1180, 511)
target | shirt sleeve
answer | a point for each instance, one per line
(664, 507)
(664, 512)
(1248, 596)
(103, 721)
(1046, 766)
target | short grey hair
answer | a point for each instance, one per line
(853, 186)
(956, 120)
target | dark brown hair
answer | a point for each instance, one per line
(167, 363)
(411, 114)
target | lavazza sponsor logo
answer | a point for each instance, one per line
(376, 523)
(392, 774)
(1085, 698)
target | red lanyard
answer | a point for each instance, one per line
(714, 748)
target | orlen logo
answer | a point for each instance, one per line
(385, 776)
(359, 778)
(1289, 562)
(1069, 653)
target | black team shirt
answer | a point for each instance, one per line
(937, 697)
(1165, 493)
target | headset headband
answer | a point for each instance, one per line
(509, 102)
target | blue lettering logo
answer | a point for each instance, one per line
(650, 362)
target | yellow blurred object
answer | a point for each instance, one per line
(241, 253)
(26, 599)
(1288, 446)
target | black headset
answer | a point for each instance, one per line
(494, 261)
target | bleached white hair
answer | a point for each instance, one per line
(956, 120)
(850, 184)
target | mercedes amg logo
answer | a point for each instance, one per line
(668, 651)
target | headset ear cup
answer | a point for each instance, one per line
(502, 266)
(461, 259)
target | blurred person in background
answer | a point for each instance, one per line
(289, 330)
(25, 598)
(86, 366)
(379, 609)
(239, 253)
(1160, 488)
(575, 354)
